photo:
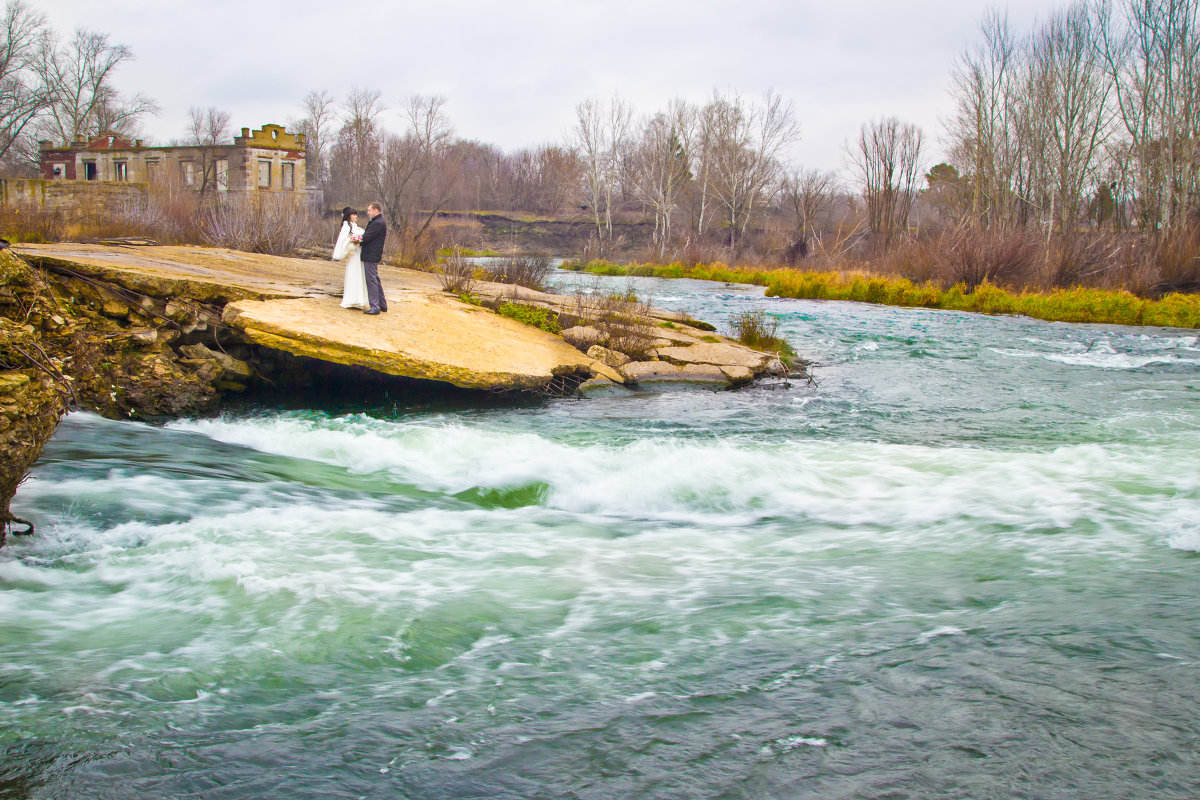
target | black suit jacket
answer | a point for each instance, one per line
(371, 250)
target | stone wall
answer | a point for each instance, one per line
(73, 198)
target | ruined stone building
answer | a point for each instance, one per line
(270, 160)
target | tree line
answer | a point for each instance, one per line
(700, 172)
(1087, 124)
(1092, 118)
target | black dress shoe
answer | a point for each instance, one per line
(371, 311)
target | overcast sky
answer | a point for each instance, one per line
(513, 71)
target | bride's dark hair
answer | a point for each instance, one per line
(346, 212)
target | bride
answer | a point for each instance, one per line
(355, 293)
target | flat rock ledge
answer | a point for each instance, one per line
(420, 336)
(292, 305)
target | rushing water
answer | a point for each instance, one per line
(962, 565)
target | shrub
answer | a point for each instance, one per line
(1176, 258)
(758, 330)
(622, 318)
(21, 225)
(456, 274)
(528, 271)
(276, 225)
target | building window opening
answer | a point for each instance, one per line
(122, 170)
(264, 174)
(58, 170)
(288, 177)
(189, 173)
(222, 175)
(89, 170)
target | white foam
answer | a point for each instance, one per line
(945, 630)
(1185, 540)
(730, 482)
(785, 745)
(1104, 358)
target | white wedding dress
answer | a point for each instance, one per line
(354, 295)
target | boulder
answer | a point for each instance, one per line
(647, 374)
(601, 370)
(582, 337)
(600, 387)
(111, 307)
(724, 354)
(230, 366)
(738, 375)
(429, 336)
(610, 357)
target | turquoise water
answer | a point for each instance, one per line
(961, 565)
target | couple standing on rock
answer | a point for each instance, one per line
(364, 246)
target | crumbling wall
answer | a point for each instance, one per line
(74, 199)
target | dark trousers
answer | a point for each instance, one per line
(374, 287)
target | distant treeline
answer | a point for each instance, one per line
(1072, 158)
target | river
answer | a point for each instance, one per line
(961, 564)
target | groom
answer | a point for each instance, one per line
(371, 253)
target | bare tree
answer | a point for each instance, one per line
(745, 146)
(22, 95)
(660, 167)
(544, 179)
(887, 159)
(77, 76)
(316, 124)
(600, 138)
(981, 130)
(806, 194)
(1151, 50)
(407, 180)
(700, 142)
(356, 154)
(208, 128)
(1072, 100)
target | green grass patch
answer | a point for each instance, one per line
(516, 216)
(530, 315)
(466, 252)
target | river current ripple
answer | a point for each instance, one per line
(962, 564)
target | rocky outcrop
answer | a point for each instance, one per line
(147, 331)
(289, 305)
(31, 405)
(74, 343)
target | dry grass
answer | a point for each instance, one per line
(623, 320)
(20, 225)
(528, 271)
(272, 224)
(456, 273)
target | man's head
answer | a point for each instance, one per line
(374, 210)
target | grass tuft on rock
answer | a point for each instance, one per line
(530, 315)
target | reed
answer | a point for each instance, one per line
(979, 294)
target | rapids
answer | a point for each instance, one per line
(961, 564)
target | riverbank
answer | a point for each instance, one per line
(1079, 304)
